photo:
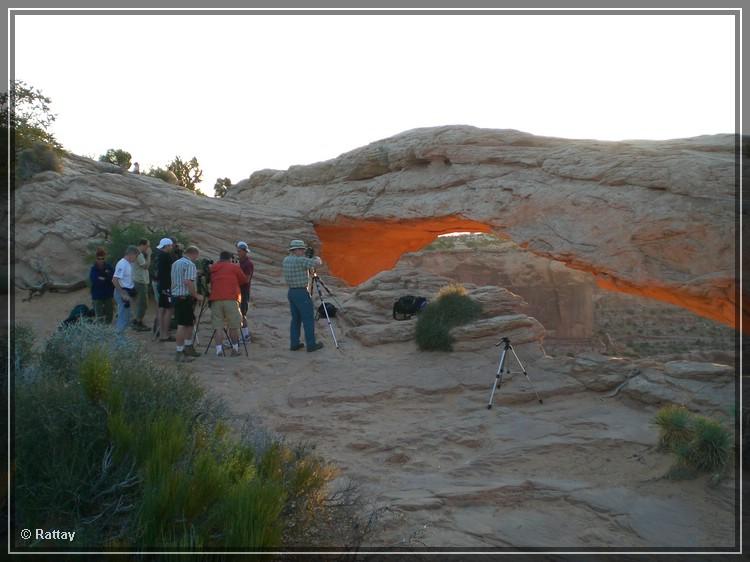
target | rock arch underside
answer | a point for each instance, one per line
(650, 218)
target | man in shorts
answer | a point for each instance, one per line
(163, 280)
(226, 280)
(184, 296)
(247, 266)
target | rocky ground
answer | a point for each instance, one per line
(580, 470)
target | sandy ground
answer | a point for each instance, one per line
(578, 471)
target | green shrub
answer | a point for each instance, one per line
(118, 157)
(164, 175)
(451, 308)
(710, 446)
(120, 237)
(23, 346)
(699, 444)
(674, 426)
(132, 455)
(451, 289)
(38, 158)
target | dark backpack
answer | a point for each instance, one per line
(79, 313)
(407, 306)
(321, 311)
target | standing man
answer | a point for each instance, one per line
(226, 280)
(124, 288)
(246, 264)
(184, 275)
(102, 289)
(296, 272)
(140, 278)
(164, 287)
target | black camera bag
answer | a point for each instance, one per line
(407, 306)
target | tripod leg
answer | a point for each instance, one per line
(241, 338)
(209, 342)
(330, 294)
(526, 375)
(317, 282)
(498, 379)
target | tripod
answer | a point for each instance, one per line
(317, 282)
(228, 338)
(499, 376)
(197, 324)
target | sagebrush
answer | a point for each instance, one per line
(451, 308)
(699, 444)
(132, 455)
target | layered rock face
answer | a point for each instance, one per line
(368, 315)
(59, 215)
(654, 218)
(559, 297)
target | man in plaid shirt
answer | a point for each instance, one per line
(185, 295)
(296, 269)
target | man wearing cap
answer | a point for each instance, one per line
(184, 293)
(246, 264)
(296, 269)
(163, 287)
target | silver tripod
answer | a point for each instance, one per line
(499, 376)
(316, 282)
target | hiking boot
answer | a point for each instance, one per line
(180, 357)
(139, 327)
(190, 351)
(316, 347)
(170, 338)
(235, 353)
(297, 347)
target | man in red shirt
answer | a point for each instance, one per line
(243, 253)
(226, 279)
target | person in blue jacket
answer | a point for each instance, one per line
(102, 289)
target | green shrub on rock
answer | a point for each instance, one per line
(38, 158)
(133, 455)
(451, 308)
(700, 444)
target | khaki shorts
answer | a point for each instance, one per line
(225, 311)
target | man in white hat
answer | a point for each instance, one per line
(246, 264)
(164, 287)
(296, 274)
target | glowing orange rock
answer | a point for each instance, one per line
(355, 250)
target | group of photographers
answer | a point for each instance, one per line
(178, 285)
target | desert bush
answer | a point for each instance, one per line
(118, 157)
(121, 236)
(22, 338)
(674, 426)
(451, 308)
(134, 455)
(38, 158)
(710, 446)
(164, 175)
(700, 444)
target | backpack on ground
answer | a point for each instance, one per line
(80, 313)
(407, 306)
(321, 311)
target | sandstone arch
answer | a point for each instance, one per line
(653, 218)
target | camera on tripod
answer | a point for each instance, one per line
(310, 252)
(204, 277)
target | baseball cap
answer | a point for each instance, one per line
(164, 242)
(242, 246)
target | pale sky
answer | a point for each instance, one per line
(247, 92)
